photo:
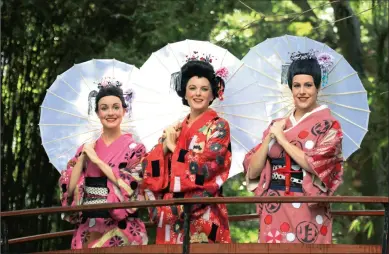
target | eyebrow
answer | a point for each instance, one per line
(308, 82)
(104, 104)
(200, 86)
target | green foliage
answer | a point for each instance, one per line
(242, 231)
(41, 39)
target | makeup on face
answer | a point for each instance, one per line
(110, 112)
(198, 93)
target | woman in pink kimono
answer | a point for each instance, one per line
(106, 171)
(300, 155)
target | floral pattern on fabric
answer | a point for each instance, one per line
(124, 156)
(319, 135)
(197, 168)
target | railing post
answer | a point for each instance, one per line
(186, 243)
(385, 238)
(4, 238)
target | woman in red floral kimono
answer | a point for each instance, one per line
(300, 155)
(106, 171)
(191, 160)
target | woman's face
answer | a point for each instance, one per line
(198, 93)
(304, 92)
(110, 112)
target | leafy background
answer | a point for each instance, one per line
(41, 39)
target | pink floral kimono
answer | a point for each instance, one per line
(198, 167)
(117, 227)
(319, 135)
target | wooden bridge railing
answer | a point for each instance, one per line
(231, 218)
(227, 200)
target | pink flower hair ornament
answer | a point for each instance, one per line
(222, 72)
(325, 60)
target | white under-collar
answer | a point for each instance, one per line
(293, 120)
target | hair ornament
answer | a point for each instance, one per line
(311, 54)
(175, 80)
(324, 59)
(108, 81)
(195, 57)
(220, 91)
(221, 74)
(129, 96)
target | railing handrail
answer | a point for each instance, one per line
(190, 201)
(236, 248)
(231, 218)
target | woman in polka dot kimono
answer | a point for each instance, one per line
(192, 160)
(106, 171)
(300, 155)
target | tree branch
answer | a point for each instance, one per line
(349, 33)
(304, 6)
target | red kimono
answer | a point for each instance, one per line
(319, 135)
(198, 167)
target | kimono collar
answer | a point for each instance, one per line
(293, 119)
(205, 116)
(189, 130)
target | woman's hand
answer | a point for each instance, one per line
(171, 138)
(277, 130)
(89, 151)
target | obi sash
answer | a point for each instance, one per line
(96, 192)
(286, 175)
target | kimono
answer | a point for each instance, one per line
(319, 135)
(197, 168)
(117, 227)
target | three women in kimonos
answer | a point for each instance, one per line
(300, 155)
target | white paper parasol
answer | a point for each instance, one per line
(343, 92)
(241, 106)
(68, 117)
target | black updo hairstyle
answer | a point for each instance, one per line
(110, 90)
(308, 66)
(200, 69)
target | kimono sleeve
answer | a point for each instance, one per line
(129, 178)
(155, 169)
(64, 181)
(209, 165)
(253, 183)
(325, 159)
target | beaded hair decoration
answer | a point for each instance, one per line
(108, 81)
